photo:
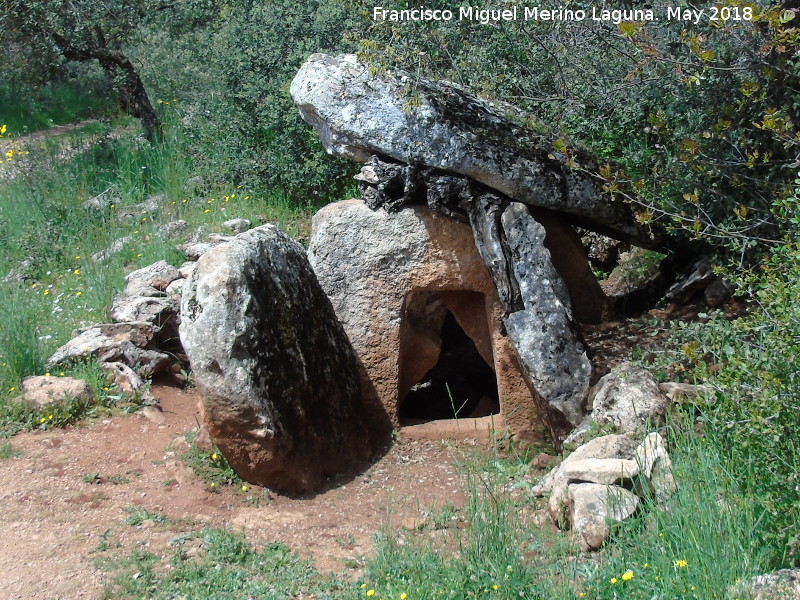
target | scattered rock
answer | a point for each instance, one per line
(238, 225)
(126, 378)
(157, 276)
(275, 371)
(718, 292)
(627, 399)
(677, 392)
(103, 200)
(129, 343)
(593, 506)
(194, 250)
(44, 390)
(176, 287)
(656, 466)
(115, 247)
(174, 228)
(20, 272)
(608, 471)
(780, 585)
(163, 312)
(186, 269)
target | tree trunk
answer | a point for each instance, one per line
(133, 96)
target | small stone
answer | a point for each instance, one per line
(238, 225)
(593, 506)
(42, 391)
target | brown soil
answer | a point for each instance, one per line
(53, 521)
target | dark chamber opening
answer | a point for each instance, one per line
(460, 385)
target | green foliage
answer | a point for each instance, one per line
(696, 124)
(7, 450)
(226, 567)
(212, 467)
(242, 120)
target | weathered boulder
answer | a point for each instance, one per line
(627, 399)
(357, 114)
(389, 275)
(130, 343)
(593, 506)
(603, 480)
(44, 390)
(276, 373)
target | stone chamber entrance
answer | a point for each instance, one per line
(446, 359)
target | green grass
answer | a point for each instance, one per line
(54, 104)
(226, 566)
(50, 238)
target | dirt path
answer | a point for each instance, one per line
(53, 521)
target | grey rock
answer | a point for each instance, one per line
(600, 470)
(186, 269)
(238, 225)
(43, 390)
(276, 373)
(357, 115)
(126, 378)
(161, 311)
(656, 466)
(115, 247)
(173, 228)
(129, 343)
(718, 292)
(594, 506)
(697, 280)
(627, 399)
(103, 200)
(160, 271)
(557, 481)
(176, 287)
(194, 250)
(545, 336)
(780, 585)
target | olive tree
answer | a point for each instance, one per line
(87, 31)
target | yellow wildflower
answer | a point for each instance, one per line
(403, 596)
(2, 130)
(614, 580)
(627, 576)
(681, 564)
(244, 488)
(370, 592)
(9, 154)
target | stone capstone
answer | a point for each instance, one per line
(43, 390)
(358, 114)
(275, 370)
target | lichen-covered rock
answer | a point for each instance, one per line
(274, 368)
(357, 114)
(779, 585)
(628, 399)
(656, 466)
(544, 333)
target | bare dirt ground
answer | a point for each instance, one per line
(53, 521)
